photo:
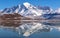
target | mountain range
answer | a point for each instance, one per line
(27, 9)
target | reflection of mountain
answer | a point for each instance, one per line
(30, 28)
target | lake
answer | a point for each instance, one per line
(31, 30)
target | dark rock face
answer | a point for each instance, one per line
(11, 16)
(12, 19)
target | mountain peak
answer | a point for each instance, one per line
(26, 4)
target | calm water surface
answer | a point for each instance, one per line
(47, 31)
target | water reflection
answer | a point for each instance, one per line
(29, 28)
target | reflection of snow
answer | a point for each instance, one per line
(30, 28)
(57, 27)
(33, 29)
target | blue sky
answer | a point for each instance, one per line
(9, 3)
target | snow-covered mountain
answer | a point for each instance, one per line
(57, 10)
(26, 10)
